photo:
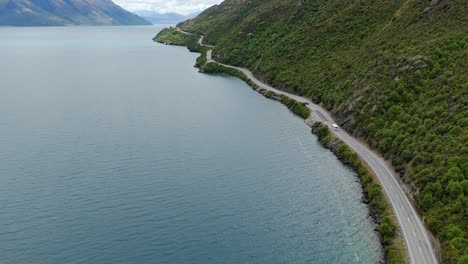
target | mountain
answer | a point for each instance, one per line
(65, 13)
(392, 72)
(164, 18)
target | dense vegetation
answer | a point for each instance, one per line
(392, 72)
(220, 69)
(172, 36)
(294, 106)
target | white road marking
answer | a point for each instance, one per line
(368, 156)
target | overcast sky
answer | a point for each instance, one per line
(165, 6)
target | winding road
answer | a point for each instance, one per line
(417, 239)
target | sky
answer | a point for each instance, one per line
(166, 6)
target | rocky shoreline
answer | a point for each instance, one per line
(379, 207)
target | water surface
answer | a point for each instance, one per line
(114, 149)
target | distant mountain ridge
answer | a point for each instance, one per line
(164, 18)
(65, 13)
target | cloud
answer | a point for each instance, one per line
(167, 6)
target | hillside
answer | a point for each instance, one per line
(65, 13)
(163, 18)
(392, 72)
(158, 18)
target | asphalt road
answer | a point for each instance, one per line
(417, 240)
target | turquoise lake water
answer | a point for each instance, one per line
(114, 149)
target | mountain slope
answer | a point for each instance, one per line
(393, 72)
(158, 18)
(163, 18)
(65, 12)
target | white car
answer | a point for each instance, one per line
(335, 127)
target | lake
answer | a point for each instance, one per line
(114, 149)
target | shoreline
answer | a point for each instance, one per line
(394, 250)
(412, 230)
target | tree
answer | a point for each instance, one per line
(455, 131)
(418, 159)
(375, 192)
(427, 202)
(463, 259)
(457, 207)
(455, 189)
(457, 243)
(452, 231)
(423, 176)
(464, 184)
(387, 229)
(437, 190)
(454, 173)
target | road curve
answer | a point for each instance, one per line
(418, 243)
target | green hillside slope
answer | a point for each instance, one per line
(393, 72)
(65, 12)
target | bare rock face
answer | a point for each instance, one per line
(65, 13)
